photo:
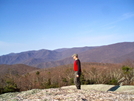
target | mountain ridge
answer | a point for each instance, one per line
(49, 58)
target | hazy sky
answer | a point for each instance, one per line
(51, 24)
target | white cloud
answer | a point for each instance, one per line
(98, 40)
(110, 27)
(121, 18)
(3, 44)
(6, 47)
(127, 15)
(77, 41)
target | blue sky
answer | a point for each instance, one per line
(51, 24)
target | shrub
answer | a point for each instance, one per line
(128, 73)
(71, 81)
(1, 90)
(82, 79)
(113, 81)
(89, 82)
(37, 73)
(10, 87)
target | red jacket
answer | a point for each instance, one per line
(77, 66)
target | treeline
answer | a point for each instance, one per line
(92, 73)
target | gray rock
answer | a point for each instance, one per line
(98, 92)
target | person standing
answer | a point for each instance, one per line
(77, 70)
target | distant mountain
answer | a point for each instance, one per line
(108, 52)
(33, 58)
(61, 49)
(126, 57)
(69, 52)
(114, 53)
(29, 57)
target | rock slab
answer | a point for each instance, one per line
(69, 93)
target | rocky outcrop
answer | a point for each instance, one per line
(70, 93)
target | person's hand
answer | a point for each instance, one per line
(77, 75)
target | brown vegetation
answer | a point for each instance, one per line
(92, 73)
(17, 69)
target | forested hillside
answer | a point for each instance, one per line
(92, 73)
